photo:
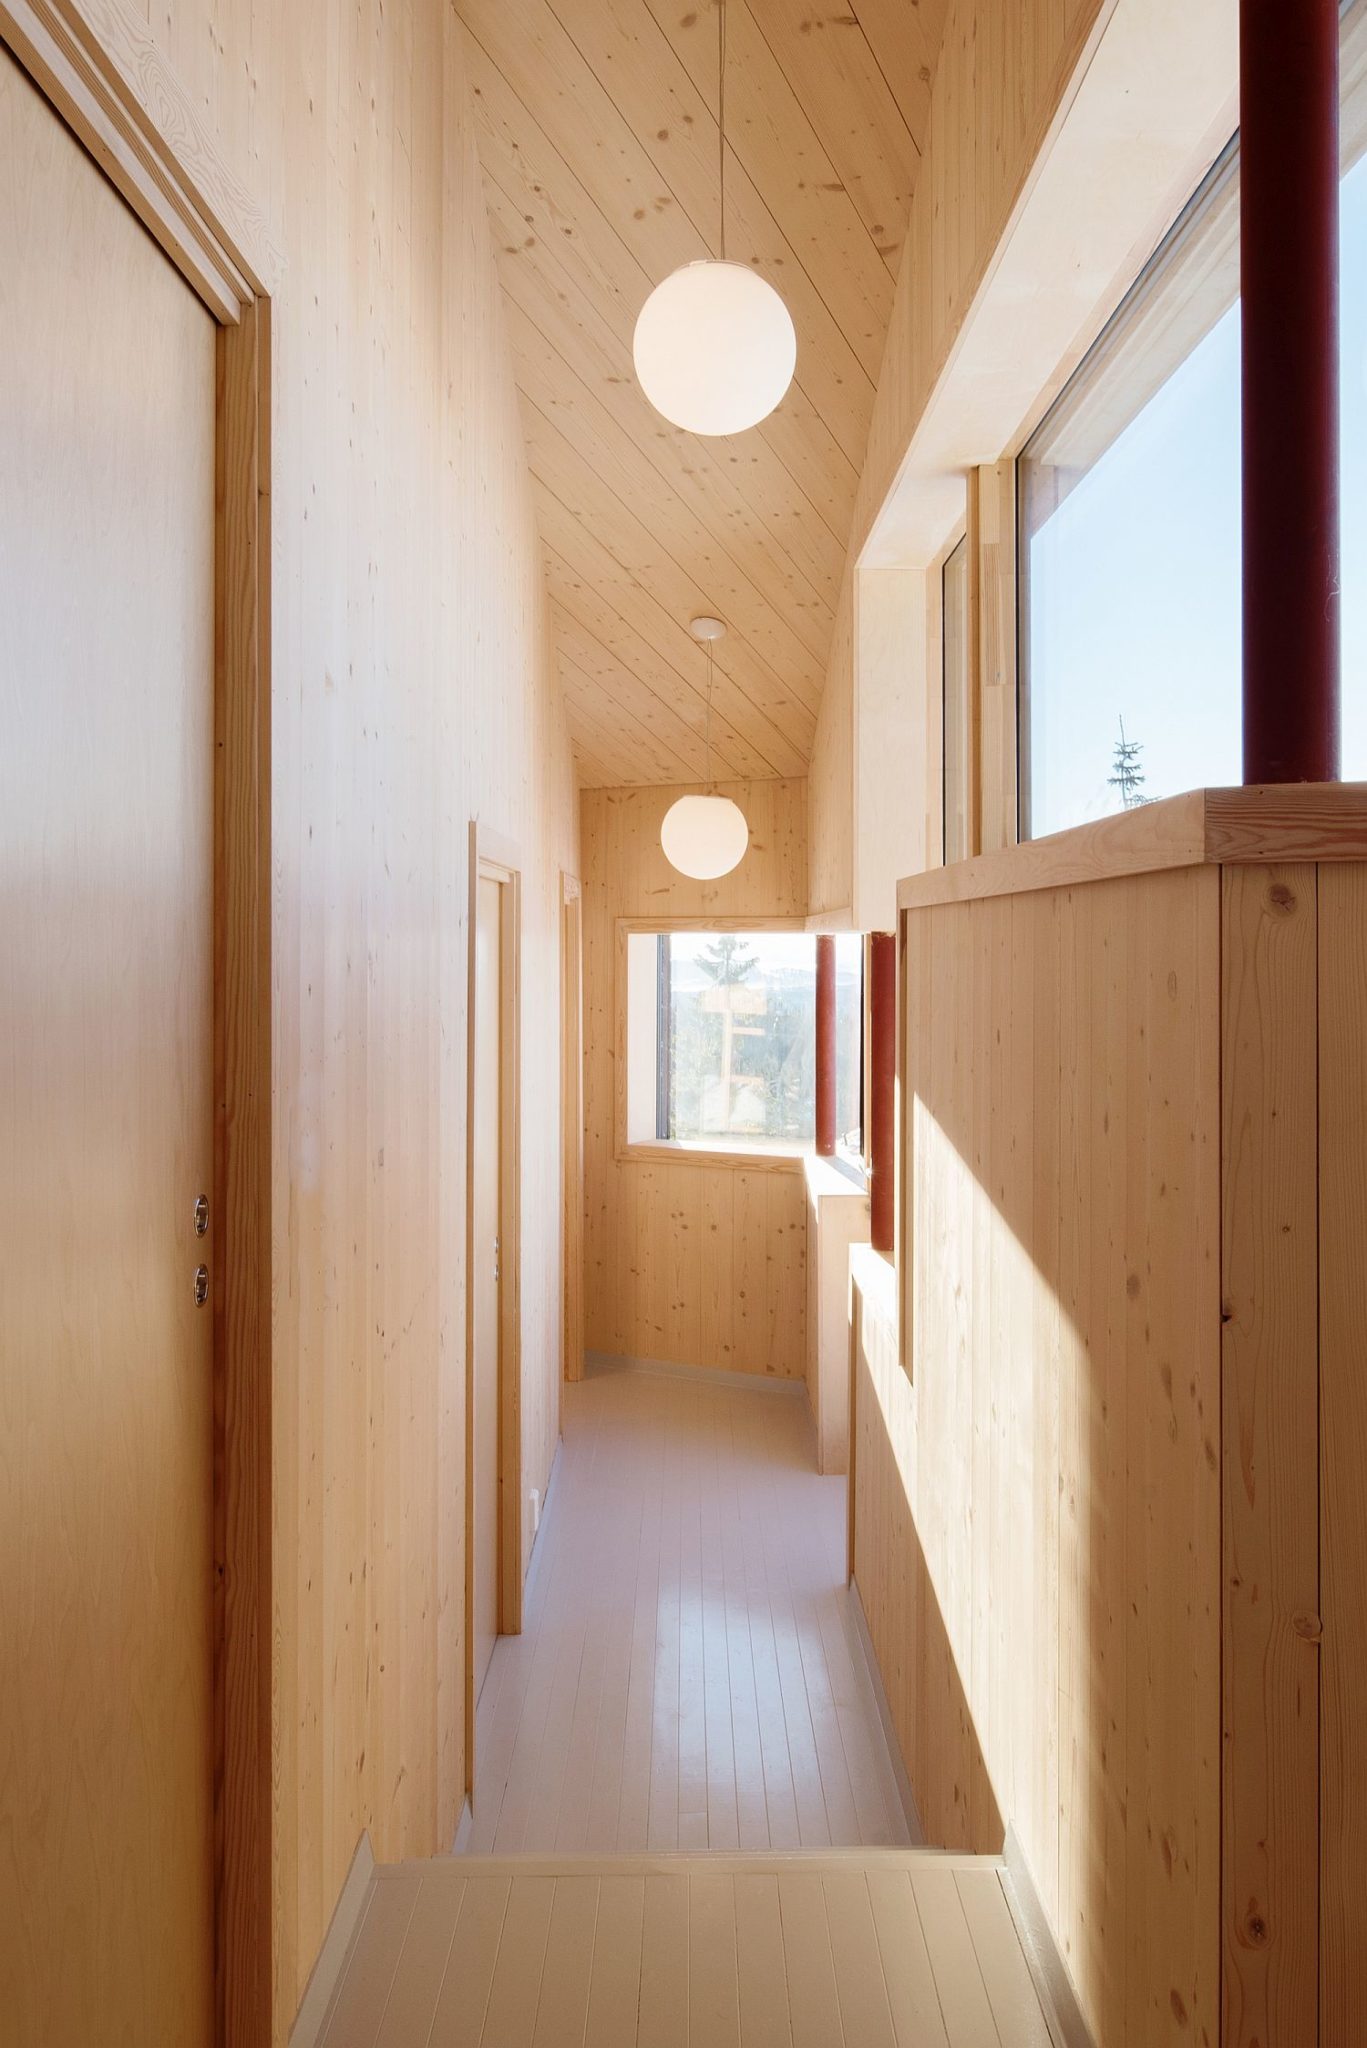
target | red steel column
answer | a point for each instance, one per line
(1289, 171)
(825, 1044)
(882, 1088)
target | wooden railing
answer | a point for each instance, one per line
(1108, 1522)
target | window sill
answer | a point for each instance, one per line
(738, 1158)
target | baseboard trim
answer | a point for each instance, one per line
(539, 1543)
(315, 2008)
(702, 1375)
(859, 1624)
(1055, 1987)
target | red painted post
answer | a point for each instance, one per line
(882, 1089)
(825, 1044)
(1289, 173)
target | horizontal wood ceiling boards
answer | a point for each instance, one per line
(598, 138)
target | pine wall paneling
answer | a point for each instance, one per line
(691, 1264)
(413, 690)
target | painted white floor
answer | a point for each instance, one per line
(686, 1817)
(861, 1949)
(687, 1678)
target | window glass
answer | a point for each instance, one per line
(721, 1040)
(1130, 524)
(740, 1044)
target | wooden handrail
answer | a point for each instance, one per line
(1321, 821)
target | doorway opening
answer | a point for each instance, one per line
(493, 1320)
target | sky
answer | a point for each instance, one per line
(1135, 602)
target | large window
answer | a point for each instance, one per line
(1130, 523)
(721, 1039)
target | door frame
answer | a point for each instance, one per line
(98, 66)
(572, 1126)
(494, 858)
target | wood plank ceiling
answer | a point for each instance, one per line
(598, 137)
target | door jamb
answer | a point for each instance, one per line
(98, 66)
(572, 1127)
(494, 858)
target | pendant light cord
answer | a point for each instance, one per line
(707, 730)
(721, 118)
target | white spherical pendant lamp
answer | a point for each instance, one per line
(705, 836)
(715, 348)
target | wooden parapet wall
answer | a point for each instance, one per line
(1103, 1538)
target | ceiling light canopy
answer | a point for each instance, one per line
(705, 836)
(715, 347)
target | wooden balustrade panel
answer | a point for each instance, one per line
(1037, 1516)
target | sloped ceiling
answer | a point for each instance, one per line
(598, 137)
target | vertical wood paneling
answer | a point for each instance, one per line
(1343, 1449)
(1269, 1342)
(699, 1265)
(413, 690)
(993, 544)
(1037, 1509)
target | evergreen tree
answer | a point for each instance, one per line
(726, 961)
(1129, 776)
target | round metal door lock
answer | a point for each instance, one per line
(201, 1285)
(201, 1216)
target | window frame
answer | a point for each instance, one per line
(1178, 296)
(956, 694)
(673, 1151)
(1186, 285)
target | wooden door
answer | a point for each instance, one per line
(485, 1280)
(106, 706)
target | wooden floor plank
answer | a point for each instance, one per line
(515, 1993)
(562, 2014)
(421, 1967)
(1006, 1976)
(664, 1964)
(912, 1998)
(615, 1982)
(464, 1996)
(713, 1986)
(359, 2011)
(859, 1981)
(761, 1969)
(813, 1999)
(953, 1959)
